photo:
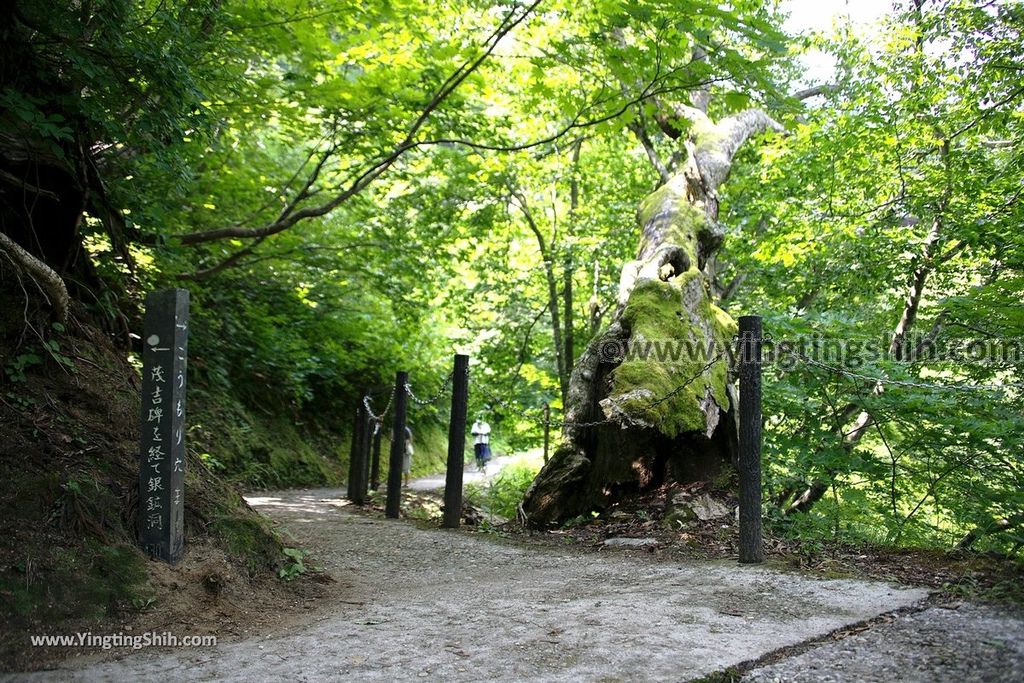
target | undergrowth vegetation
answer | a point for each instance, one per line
(502, 495)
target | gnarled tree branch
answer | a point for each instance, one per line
(45, 278)
(292, 214)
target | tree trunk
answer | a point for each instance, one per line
(568, 268)
(41, 205)
(568, 323)
(553, 300)
(664, 414)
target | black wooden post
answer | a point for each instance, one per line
(378, 431)
(456, 444)
(162, 447)
(394, 502)
(750, 439)
(547, 430)
(353, 457)
(360, 450)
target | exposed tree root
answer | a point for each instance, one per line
(49, 283)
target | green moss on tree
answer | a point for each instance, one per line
(687, 221)
(669, 346)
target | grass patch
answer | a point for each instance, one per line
(87, 581)
(502, 495)
(264, 451)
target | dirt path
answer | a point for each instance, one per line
(440, 605)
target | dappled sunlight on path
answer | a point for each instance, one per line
(316, 502)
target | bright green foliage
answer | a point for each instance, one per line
(213, 115)
(295, 566)
(923, 133)
(340, 301)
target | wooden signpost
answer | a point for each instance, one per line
(162, 448)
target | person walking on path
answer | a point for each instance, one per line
(407, 458)
(481, 443)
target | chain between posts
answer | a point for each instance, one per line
(367, 403)
(435, 397)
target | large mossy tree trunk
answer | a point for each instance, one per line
(665, 414)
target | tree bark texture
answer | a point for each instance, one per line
(664, 331)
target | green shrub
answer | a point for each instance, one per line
(504, 493)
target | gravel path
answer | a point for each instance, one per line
(968, 643)
(456, 606)
(441, 605)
